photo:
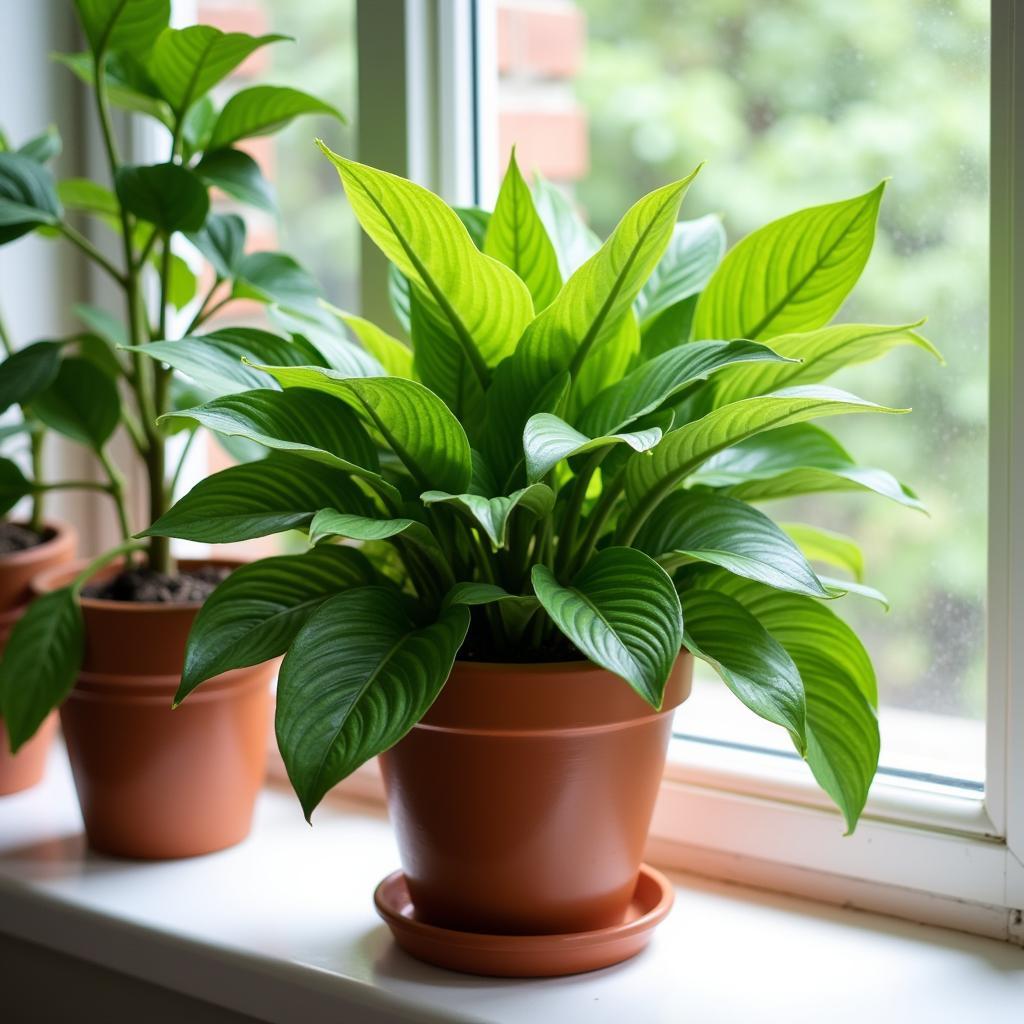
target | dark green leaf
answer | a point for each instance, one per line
(263, 109)
(82, 403)
(222, 241)
(105, 324)
(43, 147)
(275, 277)
(492, 514)
(28, 372)
(13, 486)
(130, 25)
(237, 174)
(28, 196)
(169, 196)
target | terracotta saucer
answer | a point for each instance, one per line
(526, 956)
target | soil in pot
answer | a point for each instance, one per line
(152, 782)
(24, 552)
(523, 799)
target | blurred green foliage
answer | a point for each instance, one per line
(797, 102)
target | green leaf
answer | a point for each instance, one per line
(43, 147)
(13, 486)
(187, 63)
(654, 382)
(27, 372)
(416, 424)
(834, 549)
(128, 86)
(392, 354)
(335, 349)
(306, 423)
(730, 534)
(792, 274)
(399, 291)
(87, 196)
(281, 492)
(41, 661)
(492, 514)
(516, 237)
(800, 459)
(275, 277)
(668, 329)
(356, 679)
(214, 361)
(573, 241)
(839, 686)
(264, 109)
(623, 613)
(689, 261)
(169, 196)
(28, 196)
(181, 282)
(197, 127)
(131, 25)
(594, 300)
(475, 220)
(840, 588)
(818, 355)
(237, 174)
(650, 478)
(483, 303)
(100, 322)
(82, 403)
(255, 613)
(751, 662)
(547, 440)
(222, 241)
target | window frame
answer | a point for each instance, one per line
(930, 852)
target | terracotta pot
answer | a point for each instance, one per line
(523, 799)
(155, 782)
(24, 769)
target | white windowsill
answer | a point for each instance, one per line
(283, 928)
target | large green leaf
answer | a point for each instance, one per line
(492, 514)
(307, 423)
(28, 196)
(264, 109)
(689, 261)
(128, 86)
(82, 403)
(819, 545)
(792, 274)
(13, 486)
(27, 372)
(483, 303)
(622, 611)
(595, 299)
(237, 174)
(281, 492)
(650, 478)
(41, 661)
(186, 63)
(416, 424)
(729, 533)
(818, 355)
(669, 329)
(548, 439)
(573, 241)
(255, 613)
(394, 355)
(214, 361)
(751, 662)
(130, 25)
(222, 241)
(356, 679)
(169, 196)
(800, 459)
(839, 686)
(276, 277)
(656, 381)
(516, 237)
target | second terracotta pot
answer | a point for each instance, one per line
(24, 769)
(522, 801)
(155, 782)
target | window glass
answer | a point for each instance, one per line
(794, 103)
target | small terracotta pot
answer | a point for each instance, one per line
(24, 769)
(155, 782)
(523, 799)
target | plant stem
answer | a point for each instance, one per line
(116, 479)
(74, 485)
(36, 443)
(201, 317)
(91, 251)
(574, 508)
(5, 338)
(598, 517)
(176, 476)
(198, 318)
(127, 548)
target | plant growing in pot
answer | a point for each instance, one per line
(110, 636)
(552, 496)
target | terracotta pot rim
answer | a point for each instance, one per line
(54, 578)
(61, 530)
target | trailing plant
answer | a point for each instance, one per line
(169, 241)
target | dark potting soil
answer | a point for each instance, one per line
(192, 587)
(557, 648)
(15, 537)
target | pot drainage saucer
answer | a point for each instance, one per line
(526, 956)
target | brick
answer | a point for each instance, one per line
(553, 142)
(540, 41)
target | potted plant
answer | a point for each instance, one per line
(110, 636)
(552, 498)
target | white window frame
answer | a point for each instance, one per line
(921, 850)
